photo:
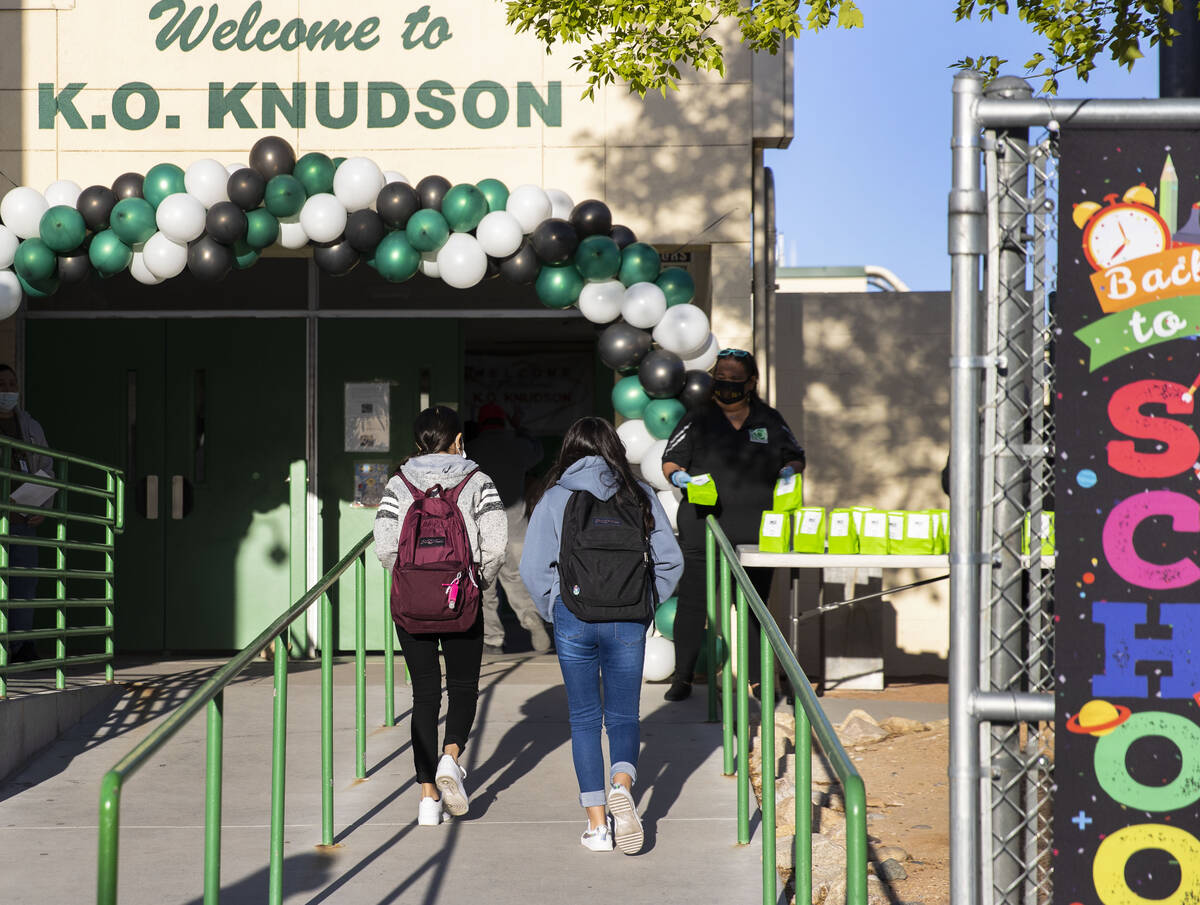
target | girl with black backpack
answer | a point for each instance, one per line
(441, 532)
(599, 555)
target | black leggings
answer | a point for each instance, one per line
(463, 652)
(691, 614)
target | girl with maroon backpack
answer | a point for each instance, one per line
(441, 532)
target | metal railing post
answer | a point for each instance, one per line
(727, 703)
(767, 732)
(212, 800)
(115, 511)
(803, 799)
(710, 584)
(5, 651)
(109, 838)
(389, 655)
(60, 586)
(360, 667)
(326, 720)
(743, 718)
(278, 771)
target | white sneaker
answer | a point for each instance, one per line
(597, 839)
(429, 813)
(449, 781)
(627, 825)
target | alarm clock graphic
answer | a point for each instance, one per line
(1122, 231)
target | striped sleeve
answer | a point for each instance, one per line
(389, 506)
(488, 499)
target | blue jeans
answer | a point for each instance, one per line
(591, 653)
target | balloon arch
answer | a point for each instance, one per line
(210, 219)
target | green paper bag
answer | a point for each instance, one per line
(938, 529)
(702, 490)
(945, 516)
(789, 493)
(895, 520)
(873, 533)
(918, 535)
(843, 537)
(773, 535)
(1045, 534)
(856, 513)
(808, 530)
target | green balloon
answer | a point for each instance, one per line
(628, 397)
(133, 220)
(285, 195)
(678, 286)
(463, 207)
(661, 416)
(338, 161)
(35, 260)
(161, 180)
(559, 285)
(496, 193)
(427, 230)
(62, 228)
(664, 618)
(39, 289)
(261, 228)
(244, 255)
(395, 258)
(598, 258)
(702, 660)
(639, 264)
(108, 254)
(315, 172)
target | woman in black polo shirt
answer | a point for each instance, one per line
(746, 446)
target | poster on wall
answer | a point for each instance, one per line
(1127, 586)
(368, 417)
(547, 393)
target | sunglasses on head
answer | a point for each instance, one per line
(733, 353)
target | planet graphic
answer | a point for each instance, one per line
(1097, 717)
(1086, 478)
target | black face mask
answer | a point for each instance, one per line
(730, 391)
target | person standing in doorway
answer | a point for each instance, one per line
(507, 456)
(746, 446)
(18, 424)
(592, 518)
(441, 467)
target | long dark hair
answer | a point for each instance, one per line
(591, 436)
(435, 428)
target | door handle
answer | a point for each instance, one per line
(177, 496)
(151, 496)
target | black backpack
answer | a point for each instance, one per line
(605, 570)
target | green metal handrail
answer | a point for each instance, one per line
(810, 720)
(106, 493)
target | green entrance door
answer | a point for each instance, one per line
(206, 417)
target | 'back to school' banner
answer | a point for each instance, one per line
(1127, 600)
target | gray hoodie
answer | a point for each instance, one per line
(592, 474)
(487, 526)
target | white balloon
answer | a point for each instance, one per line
(530, 205)
(181, 217)
(601, 302)
(652, 466)
(636, 438)
(357, 183)
(706, 358)
(390, 176)
(10, 294)
(140, 272)
(644, 305)
(232, 168)
(164, 257)
(429, 264)
(461, 262)
(561, 204)
(65, 191)
(683, 330)
(207, 179)
(670, 503)
(22, 209)
(660, 659)
(291, 233)
(323, 217)
(8, 247)
(499, 234)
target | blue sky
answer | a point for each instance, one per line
(866, 177)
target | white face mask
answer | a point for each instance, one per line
(8, 401)
(463, 451)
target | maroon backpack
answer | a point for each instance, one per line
(435, 585)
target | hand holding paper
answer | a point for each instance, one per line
(33, 494)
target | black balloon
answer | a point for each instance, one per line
(226, 222)
(271, 157)
(622, 346)
(432, 189)
(74, 267)
(245, 188)
(336, 259)
(591, 218)
(209, 260)
(697, 389)
(522, 266)
(128, 185)
(493, 268)
(661, 374)
(622, 235)
(554, 241)
(95, 204)
(397, 202)
(365, 229)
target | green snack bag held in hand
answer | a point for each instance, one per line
(808, 530)
(843, 536)
(774, 536)
(702, 490)
(873, 534)
(789, 493)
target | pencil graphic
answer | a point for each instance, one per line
(1190, 393)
